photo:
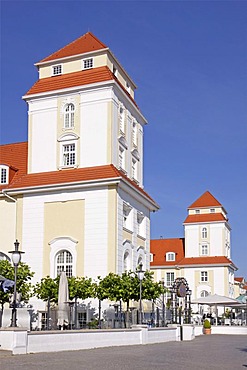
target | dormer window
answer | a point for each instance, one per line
(4, 174)
(197, 211)
(57, 70)
(170, 256)
(212, 210)
(88, 63)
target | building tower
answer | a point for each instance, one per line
(77, 185)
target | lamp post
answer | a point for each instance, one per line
(140, 273)
(163, 302)
(16, 258)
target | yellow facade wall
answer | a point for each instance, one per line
(64, 219)
(10, 223)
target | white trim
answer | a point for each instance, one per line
(60, 244)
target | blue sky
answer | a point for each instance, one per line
(188, 59)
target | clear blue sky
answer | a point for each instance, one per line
(188, 59)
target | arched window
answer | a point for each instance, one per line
(139, 261)
(64, 262)
(204, 232)
(204, 293)
(126, 261)
(69, 115)
(4, 257)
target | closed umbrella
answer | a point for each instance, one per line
(63, 297)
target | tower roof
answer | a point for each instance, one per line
(83, 44)
(205, 200)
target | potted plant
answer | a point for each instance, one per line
(206, 327)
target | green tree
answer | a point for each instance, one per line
(23, 283)
(47, 289)
(80, 287)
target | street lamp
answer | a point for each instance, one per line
(140, 273)
(163, 302)
(16, 258)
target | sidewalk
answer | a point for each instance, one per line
(214, 352)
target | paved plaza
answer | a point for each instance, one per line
(204, 352)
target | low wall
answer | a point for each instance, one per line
(20, 341)
(221, 329)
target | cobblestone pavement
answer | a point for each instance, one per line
(205, 352)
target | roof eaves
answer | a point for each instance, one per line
(64, 185)
(52, 61)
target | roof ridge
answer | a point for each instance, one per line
(70, 44)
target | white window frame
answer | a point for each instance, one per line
(204, 276)
(140, 219)
(170, 256)
(59, 244)
(121, 120)
(204, 250)
(170, 278)
(204, 293)
(212, 210)
(69, 116)
(127, 216)
(4, 175)
(134, 133)
(66, 265)
(121, 157)
(197, 211)
(57, 70)
(204, 233)
(134, 169)
(69, 154)
(87, 63)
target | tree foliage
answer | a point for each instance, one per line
(80, 287)
(23, 283)
(47, 289)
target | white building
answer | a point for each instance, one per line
(203, 256)
(73, 195)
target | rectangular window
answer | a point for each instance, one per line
(134, 169)
(212, 210)
(204, 250)
(3, 176)
(170, 278)
(88, 63)
(69, 155)
(134, 134)
(204, 276)
(170, 256)
(121, 157)
(121, 120)
(57, 70)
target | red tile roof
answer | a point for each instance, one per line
(214, 260)
(205, 200)
(159, 248)
(15, 157)
(69, 80)
(239, 279)
(205, 217)
(83, 44)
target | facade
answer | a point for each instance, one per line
(203, 255)
(73, 194)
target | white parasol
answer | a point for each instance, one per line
(216, 300)
(63, 297)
